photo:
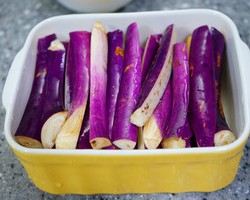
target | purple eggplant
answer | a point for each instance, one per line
(180, 94)
(187, 133)
(54, 114)
(83, 140)
(79, 49)
(112, 147)
(46, 97)
(155, 127)
(43, 45)
(115, 68)
(150, 50)
(55, 121)
(179, 142)
(157, 79)
(202, 106)
(98, 135)
(124, 134)
(219, 46)
(223, 134)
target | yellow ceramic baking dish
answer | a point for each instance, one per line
(134, 171)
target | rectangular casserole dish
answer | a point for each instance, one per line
(134, 171)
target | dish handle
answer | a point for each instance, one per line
(245, 59)
(11, 83)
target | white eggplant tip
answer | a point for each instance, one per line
(56, 45)
(137, 119)
(173, 143)
(29, 142)
(51, 128)
(125, 144)
(223, 138)
(152, 143)
(100, 143)
(98, 25)
(64, 142)
(151, 133)
(68, 135)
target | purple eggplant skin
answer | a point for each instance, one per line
(180, 91)
(219, 47)
(162, 113)
(81, 42)
(188, 143)
(46, 96)
(112, 147)
(202, 105)
(55, 85)
(187, 132)
(115, 68)
(83, 140)
(179, 142)
(44, 43)
(124, 134)
(77, 68)
(152, 44)
(65, 44)
(156, 80)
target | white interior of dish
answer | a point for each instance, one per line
(233, 93)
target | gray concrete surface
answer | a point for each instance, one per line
(16, 20)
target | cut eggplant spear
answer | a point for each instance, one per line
(54, 123)
(79, 49)
(223, 134)
(179, 142)
(51, 128)
(154, 129)
(99, 136)
(115, 69)
(173, 138)
(124, 134)
(202, 106)
(150, 50)
(55, 116)
(45, 98)
(156, 80)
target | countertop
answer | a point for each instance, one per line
(16, 20)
